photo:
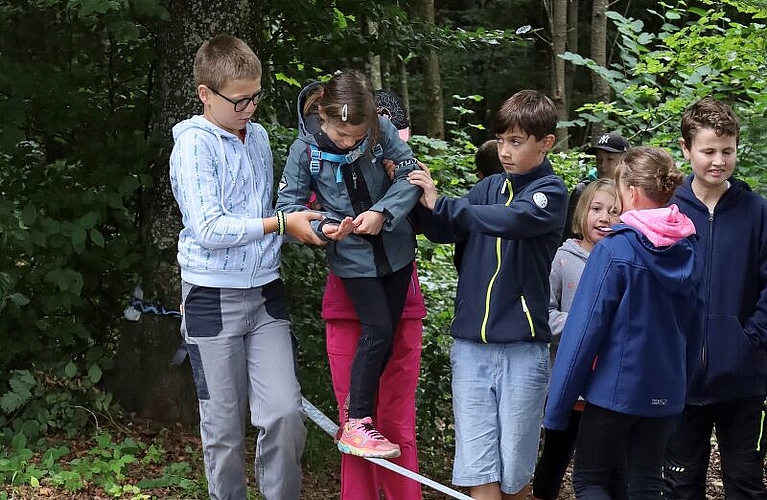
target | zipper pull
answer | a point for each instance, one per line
(354, 180)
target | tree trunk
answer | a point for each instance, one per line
(404, 89)
(144, 380)
(432, 80)
(374, 60)
(572, 46)
(600, 88)
(557, 13)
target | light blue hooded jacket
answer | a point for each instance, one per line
(223, 188)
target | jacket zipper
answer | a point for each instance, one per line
(483, 328)
(703, 354)
(527, 313)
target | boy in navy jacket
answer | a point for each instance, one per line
(510, 224)
(727, 391)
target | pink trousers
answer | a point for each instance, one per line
(395, 410)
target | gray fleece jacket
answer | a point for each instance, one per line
(566, 270)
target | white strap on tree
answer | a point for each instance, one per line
(331, 428)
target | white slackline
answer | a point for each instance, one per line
(331, 428)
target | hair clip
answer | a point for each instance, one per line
(345, 113)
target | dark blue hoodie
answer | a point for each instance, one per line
(733, 242)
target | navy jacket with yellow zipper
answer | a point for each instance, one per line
(511, 225)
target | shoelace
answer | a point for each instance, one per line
(371, 430)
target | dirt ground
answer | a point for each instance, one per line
(178, 441)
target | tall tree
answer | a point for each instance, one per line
(557, 17)
(432, 80)
(600, 88)
(144, 381)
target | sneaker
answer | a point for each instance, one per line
(344, 419)
(360, 437)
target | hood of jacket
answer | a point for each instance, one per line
(572, 246)
(307, 125)
(673, 265)
(662, 226)
(730, 198)
(199, 122)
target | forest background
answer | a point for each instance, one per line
(89, 90)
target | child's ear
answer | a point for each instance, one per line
(203, 93)
(548, 142)
(685, 151)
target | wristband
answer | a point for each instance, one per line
(282, 223)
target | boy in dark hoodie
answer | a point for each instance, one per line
(511, 225)
(727, 391)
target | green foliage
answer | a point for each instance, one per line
(73, 162)
(696, 52)
(107, 464)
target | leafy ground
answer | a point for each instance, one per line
(142, 461)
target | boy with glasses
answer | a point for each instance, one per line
(235, 321)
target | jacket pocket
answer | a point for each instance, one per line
(730, 355)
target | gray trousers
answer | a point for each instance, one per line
(240, 348)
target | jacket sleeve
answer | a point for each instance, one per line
(523, 218)
(755, 327)
(557, 316)
(588, 324)
(197, 189)
(295, 186)
(401, 196)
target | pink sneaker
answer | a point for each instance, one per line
(344, 419)
(360, 437)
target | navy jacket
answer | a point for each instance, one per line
(511, 225)
(632, 333)
(733, 242)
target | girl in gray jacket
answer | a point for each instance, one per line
(370, 240)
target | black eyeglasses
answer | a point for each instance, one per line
(242, 104)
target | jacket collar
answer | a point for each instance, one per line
(520, 180)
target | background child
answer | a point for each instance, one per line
(486, 159)
(608, 149)
(596, 211)
(511, 225)
(395, 410)
(229, 253)
(371, 241)
(728, 389)
(631, 334)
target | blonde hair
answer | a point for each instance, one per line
(347, 98)
(584, 202)
(650, 169)
(222, 59)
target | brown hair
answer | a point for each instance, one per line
(709, 113)
(351, 90)
(650, 169)
(222, 59)
(486, 159)
(584, 202)
(531, 111)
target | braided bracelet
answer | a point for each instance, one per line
(282, 223)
